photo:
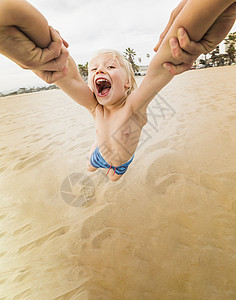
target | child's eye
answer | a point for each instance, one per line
(94, 69)
(111, 67)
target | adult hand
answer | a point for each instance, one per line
(186, 51)
(214, 35)
(183, 50)
(51, 77)
(16, 46)
(173, 16)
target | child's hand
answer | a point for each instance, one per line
(58, 68)
(53, 76)
(55, 56)
(184, 51)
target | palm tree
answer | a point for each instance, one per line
(129, 54)
(230, 41)
(83, 69)
(231, 53)
(203, 62)
(215, 56)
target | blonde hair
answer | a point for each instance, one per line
(124, 62)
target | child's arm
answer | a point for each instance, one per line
(19, 20)
(74, 86)
(196, 17)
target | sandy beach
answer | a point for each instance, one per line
(166, 230)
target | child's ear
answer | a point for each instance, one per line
(127, 84)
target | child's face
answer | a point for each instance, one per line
(108, 79)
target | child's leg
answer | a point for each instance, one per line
(114, 177)
(91, 168)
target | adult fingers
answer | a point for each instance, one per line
(53, 50)
(178, 53)
(173, 16)
(55, 76)
(163, 34)
(187, 45)
(58, 63)
(51, 77)
(176, 70)
(64, 41)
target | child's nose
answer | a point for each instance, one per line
(100, 70)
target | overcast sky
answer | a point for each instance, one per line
(90, 25)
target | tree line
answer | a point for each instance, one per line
(217, 59)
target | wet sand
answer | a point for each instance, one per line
(166, 230)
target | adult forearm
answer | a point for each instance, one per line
(196, 17)
(27, 18)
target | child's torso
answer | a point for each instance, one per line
(118, 133)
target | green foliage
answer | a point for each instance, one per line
(202, 62)
(217, 59)
(230, 41)
(129, 54)
(83, 69)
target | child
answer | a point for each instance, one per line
(118, 109)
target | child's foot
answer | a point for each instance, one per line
(113, 177)
(90, 168)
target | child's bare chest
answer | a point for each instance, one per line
(118, 135)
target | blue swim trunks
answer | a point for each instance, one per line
(97, 161)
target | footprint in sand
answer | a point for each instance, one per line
(101, 237)
(168, 169)
(95, 223)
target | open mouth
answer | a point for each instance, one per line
(103, 86)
